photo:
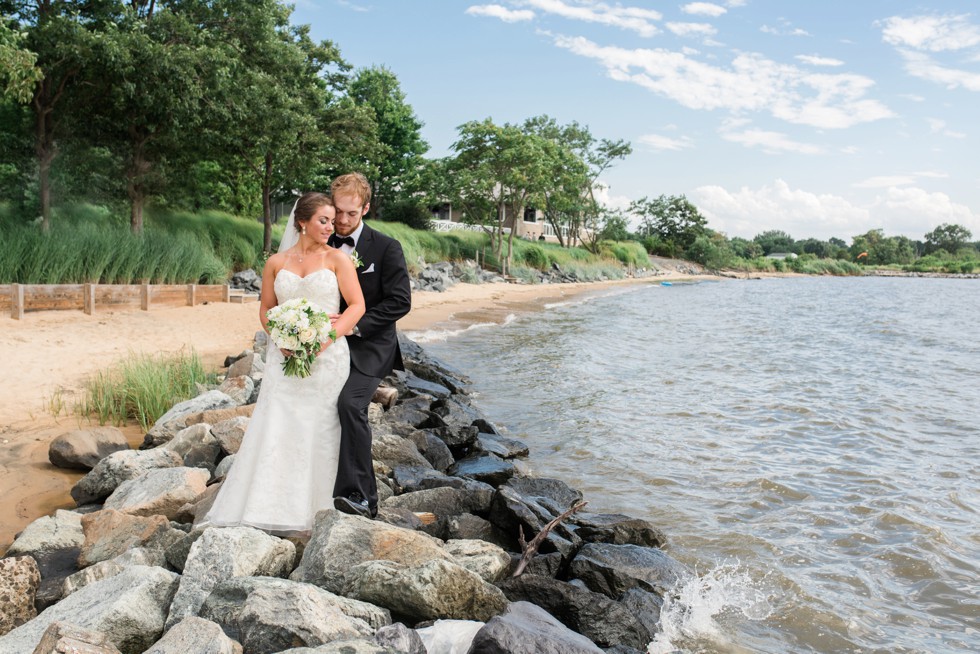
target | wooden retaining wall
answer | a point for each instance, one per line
(18, 299)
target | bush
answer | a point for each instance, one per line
(408, 213)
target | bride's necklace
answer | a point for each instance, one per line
(300, 255)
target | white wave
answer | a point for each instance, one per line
(442, 335)
(588, 298)
(691, 610)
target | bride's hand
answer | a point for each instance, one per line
(286, 353)
(324, 345)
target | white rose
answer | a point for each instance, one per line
(307, 335)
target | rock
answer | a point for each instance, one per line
(505, 448)
(223, 553)
(645, 606)
(449, 635)
(275, 619)
(433, 589)
(530, 503)
(445, 501)
(179, 550)
(467, 526)
(197, 447)
(250, 365)
(345, 646)
(419, 386)
(224, 604)
(224, 467)
(339, 542)
(485, 559)
(605, 622)
(84, 448)
(617, 529)
(614, 569)
(436, 452)
(238, 388)
(459, 440)
(60, 531)
(400, 638)
(167, 426)
(215, 416)
(412, 411)
(195, 510)
(110, 533)
(409, 479)
(230, 433)
(195, 636)
(128, 608)
(402, 518)
(488, 468)
(455, 413)
(118, 467)
(543, 565)
(395, 450)
(159, 492)
(61, 637)
(19, 580)
(105, 569)
(528, 629)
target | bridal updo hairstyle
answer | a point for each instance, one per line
(307, 205)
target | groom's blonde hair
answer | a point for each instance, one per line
(354, 184)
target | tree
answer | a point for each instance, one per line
(947, 237)
(398, 158)
(671, 219)
(745, 249)
(615, 227)
(18, 70)
(774, 240)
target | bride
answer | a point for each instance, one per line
(284, 471)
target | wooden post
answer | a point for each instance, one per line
(16, 301)
(145, 297)
(191, 294)
(88, 298)
(227, 293)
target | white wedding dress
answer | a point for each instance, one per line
(285, 470)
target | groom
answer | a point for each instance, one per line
(374, 351)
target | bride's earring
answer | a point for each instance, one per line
(304, 231)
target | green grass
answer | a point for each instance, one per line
(142, 388)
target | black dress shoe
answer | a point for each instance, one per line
(353, 507)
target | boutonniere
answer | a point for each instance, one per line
(356, 258)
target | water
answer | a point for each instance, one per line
(810, 446)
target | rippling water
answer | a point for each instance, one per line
(810, 445)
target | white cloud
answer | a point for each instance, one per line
(692, 29)
(704, 9)
(914, 211)
(770, 142)
(923, 66)
(937, 126)
(503, 13)
(934, 174)
(885, 181)
(751, 83)
(931, 33)
(660, 142)
(913, 97)
(606, 199)
(783, 31)
(737, 3)
(814, 60)
(802, 214)
(350, 5)
(636, 19)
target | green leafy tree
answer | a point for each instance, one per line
(775, 240)
(397, 158)
(949, 237)
(745, 249)
(672, 220)
(615, 227)
(18, 66)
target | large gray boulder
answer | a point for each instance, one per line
(614, 569)
(275, 619)
(485, 467)
(63, 530)
(238, 388)
(339, 542)
(602, 620)
(129, 608)
(487, 560)
(159, 492)
(84, 448)
(105, 569)
(167, 426)
(224, 604)
(118, 467)
(196, 445)
(61, 637)
(617, 529)
(195, 636)
(221, 554)
(474, 497)
(400, 638)
(230, 433)
(395, 450)
(109, 533)
(19, 580)
(530, 503)
(426, 591)
(528, 629)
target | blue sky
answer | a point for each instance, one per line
(818, 118)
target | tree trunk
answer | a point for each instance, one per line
(44, 147)
(136, 187)
(267, 204)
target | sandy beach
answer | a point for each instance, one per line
(48, 356)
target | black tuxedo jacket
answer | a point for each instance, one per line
(387, 296)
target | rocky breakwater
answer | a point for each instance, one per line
(126, 571)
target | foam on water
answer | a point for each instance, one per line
(699, 610)
(442, 335)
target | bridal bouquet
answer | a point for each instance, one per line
(299, 326)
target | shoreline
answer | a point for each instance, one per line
(53, 353)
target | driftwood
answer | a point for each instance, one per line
(530, 549)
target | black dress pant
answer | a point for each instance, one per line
(355, 472)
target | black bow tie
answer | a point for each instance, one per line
(336, 241)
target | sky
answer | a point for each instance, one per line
(822, 119)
